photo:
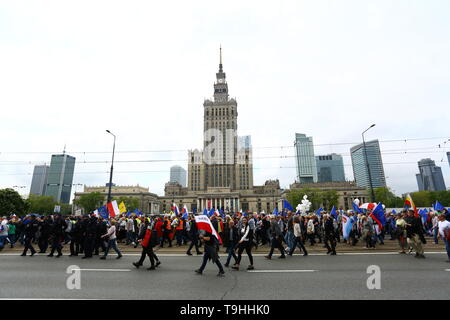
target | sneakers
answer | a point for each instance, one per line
(282, 257)
(221, 274)
(198, 271)
(50, 255)
(119, 256)
(158, 263)
(188, 253)
(137, 265)
(151, 268)
(250, 268)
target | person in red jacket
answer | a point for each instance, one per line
(148, 239)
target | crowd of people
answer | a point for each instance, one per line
(91, 235)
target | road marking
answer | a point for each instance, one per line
(104, 270)
(280, 271)
(447, 270)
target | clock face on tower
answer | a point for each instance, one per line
(221, 80)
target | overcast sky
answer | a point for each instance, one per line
(71, 70)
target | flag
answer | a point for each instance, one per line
(379, 213)
(122, 207)
(287, 205)
(347, 224)
(203, 223)
(275, 211)
(175, 209)
(211, 212)
(333, 212)
(409, 203)
(113, 209)
(356, 208)
(424, 215)
(438, 206)
(394, 212)
(205, 212)
(95, 213)
(137, 212)
(185, 212)
(318, 212)
(103, 211)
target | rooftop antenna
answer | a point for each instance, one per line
(64, 151)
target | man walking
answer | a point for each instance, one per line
(210, 253)
(414, 232)
(277, 239)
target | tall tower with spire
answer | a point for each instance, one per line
(227, 166)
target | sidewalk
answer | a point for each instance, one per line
(389, 246)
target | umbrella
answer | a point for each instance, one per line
(368, 206)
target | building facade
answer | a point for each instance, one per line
(39, 180)
(360, 170)
(430, 176)
(178, 174)
(304, 158)
(330, 168)
(148, 202)
(60, 177)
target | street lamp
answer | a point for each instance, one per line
(112, 163)
(367, 164)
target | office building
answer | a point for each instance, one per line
(178, 175)
(39, 180)
(375, 165)
(304, 158)
(430, 176)
(330, 168)
(60, 177)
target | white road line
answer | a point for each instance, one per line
(104, 270)
(280, 271)
(447, 270)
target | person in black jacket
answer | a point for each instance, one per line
(148, 238)
(230, 240)
(89, 237)
(329, 234)
(193, 235)
(30, 228)
(277, 239)
(57, 235)
(211, 253)
(44, 234)
(414, 233)
(75, 237)
(101, 229)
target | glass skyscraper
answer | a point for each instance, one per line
(330, 168)
(39, 181)
(178, 174)
(60, 177)
(430, 177)
(375, 161)
(305, 160)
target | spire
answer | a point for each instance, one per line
(220, 63)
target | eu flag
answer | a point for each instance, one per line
(287, 205)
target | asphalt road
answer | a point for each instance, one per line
(314, 277)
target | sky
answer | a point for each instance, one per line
(329, 69)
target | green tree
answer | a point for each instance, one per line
(12, 203)
(422, 198)
(130, 202)
(329, 198)
(41, 204)
(90, 201)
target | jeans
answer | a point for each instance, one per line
(130, 237)
(289, 239)
(447, 247)
(12, 239)
(298, 242)
(435, 234)
(112, 244)
(230, 251)
(3, 241)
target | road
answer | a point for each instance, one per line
(317, 276)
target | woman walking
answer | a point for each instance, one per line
(149, 239)
(298, 238)
(112, 240)
(245, 244)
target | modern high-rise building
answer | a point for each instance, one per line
(178, 175)
(448, 157)
(305, 160)
(39, 180)
(60, 177)
(430, 177)
(330, 168)
(245, 142)
(360, 170)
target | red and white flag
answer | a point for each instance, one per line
(113, 209)
(203, 223)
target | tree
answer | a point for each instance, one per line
(41, 204)
(90, 201)
(330, 198)
(12, 203)
(318, 198)
(130, 202)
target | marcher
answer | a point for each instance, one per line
(277, 238)
(298, 238)
(112, 241)
(330, 237)
(230, 240)
(414, 232)
(148, 239)
(211, 252)
(245, 244)
(444, 232)
(30, 228)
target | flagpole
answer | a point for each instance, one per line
(112, 163)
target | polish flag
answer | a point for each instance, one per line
(203, 223)
(175, 209)
(113, 209)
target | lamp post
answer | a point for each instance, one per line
(367, 164)
(112, 164)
